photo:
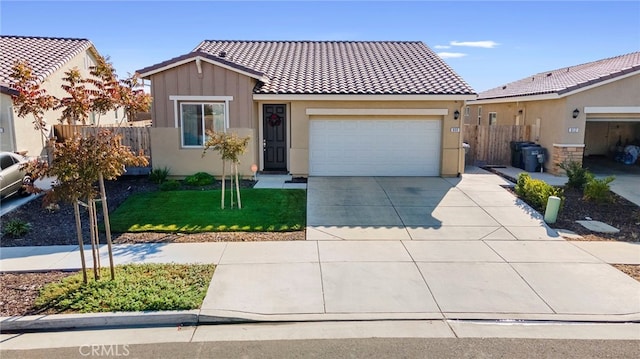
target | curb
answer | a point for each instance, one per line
(54, 322)
(58, 322)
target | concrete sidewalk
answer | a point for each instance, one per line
(482, 255)
(383, 280)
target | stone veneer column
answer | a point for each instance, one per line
(565, 153)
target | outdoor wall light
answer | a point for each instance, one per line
(456, 114)
(576, 112)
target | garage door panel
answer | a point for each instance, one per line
(374, 147)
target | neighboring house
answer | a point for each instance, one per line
(576, 111)
(49, 58)
(329, 108)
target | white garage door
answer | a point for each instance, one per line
(374, 147)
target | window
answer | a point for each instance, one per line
(6, 161)
(479, 115)
(467, 110)
(197, 118)
(493, 118)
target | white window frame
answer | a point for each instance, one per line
(479, 115)
(467, 111)
(495, 118)
(177, 114)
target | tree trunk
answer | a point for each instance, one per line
(238, 187)
(76, 211)
(107, 225)
(223, 179)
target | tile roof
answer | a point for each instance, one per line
(44, 54)
(341, 67)
(567, 79)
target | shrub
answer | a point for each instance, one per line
(598, 190)
(16, 228)
(170, 185)
(199, 179)
(578, 175)
(159, 175)
(536, 192)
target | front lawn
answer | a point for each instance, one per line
(263, 210)
(137, 287)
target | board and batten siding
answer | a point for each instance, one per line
(184, 80)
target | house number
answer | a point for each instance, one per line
(455, 129)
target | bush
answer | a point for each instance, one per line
(598, 190)
(578, 175)
(199, 179)
(16, 228)
(159, 175)
(170, 185)
(536, 192)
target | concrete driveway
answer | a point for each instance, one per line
(419, 208)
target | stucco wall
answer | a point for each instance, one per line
(182, 162)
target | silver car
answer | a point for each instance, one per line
(13, 180)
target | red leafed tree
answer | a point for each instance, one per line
(82, 161)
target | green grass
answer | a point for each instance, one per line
(137, 287)
(263, 210)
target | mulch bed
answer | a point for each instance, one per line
(18, 292)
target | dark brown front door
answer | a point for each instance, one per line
(275, 137)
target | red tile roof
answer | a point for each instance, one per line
(567, 79)
(339, 67)
(44, 54)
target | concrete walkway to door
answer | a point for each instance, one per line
(472, 207)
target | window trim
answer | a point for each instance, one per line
(177, 113)
(204, 125)
(495, 117)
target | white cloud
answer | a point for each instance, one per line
(442, 47)
(451, 55)
(484, 44)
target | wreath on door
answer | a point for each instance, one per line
(274, 120)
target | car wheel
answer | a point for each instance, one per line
(27, 181)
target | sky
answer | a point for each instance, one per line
(487, 43)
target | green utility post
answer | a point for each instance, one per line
(553, 206)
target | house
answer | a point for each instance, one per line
(577, 111)
(325, 108)
(49, 58)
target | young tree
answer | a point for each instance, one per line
(230, 147)
(80, 162)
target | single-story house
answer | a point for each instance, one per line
(583, 110)
(49, 58)
(319, 108)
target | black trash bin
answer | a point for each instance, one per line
(534, 158)
(517, 160)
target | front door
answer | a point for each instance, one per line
(275, 137)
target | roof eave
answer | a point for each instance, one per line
(147, 72)
(364, 97)
(560, 93)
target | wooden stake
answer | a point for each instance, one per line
(76, 210)
(107, 225)
(223, 179)
(93, 243)
(238, 187)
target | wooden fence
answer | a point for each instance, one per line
(136, 138)
(490, 145)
